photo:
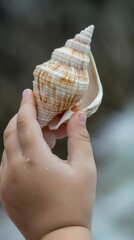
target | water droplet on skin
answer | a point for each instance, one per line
(27, 160)
(44, 170)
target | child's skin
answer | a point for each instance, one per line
(47, 198)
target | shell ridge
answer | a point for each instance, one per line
(60, 83)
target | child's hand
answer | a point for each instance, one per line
(39, 191)
(51, 136)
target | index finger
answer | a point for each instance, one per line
(29, 132)
(10, 138)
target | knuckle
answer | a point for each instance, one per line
(85, 135)
(7, 133)
(21, 122)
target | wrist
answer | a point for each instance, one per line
(69, 233)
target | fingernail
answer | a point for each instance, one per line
(25, 92)
(82, 118)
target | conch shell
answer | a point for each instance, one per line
(67, 82)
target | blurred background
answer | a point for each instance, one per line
(29, 31)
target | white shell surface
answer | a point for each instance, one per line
(67, 82)
(91, 100)
(60, 83)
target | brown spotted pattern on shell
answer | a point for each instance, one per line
(60, 84)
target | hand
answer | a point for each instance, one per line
(40, 192)
(51, 136)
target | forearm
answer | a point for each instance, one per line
(69, 233)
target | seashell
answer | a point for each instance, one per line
(67, 82)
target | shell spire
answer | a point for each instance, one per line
(60, 83)
(81, 46)
(82, 41)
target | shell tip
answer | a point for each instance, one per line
(91, 28)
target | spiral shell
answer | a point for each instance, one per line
(60, 83)
(68, 81)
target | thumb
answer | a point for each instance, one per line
(79, 146)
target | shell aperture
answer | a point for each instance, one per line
(60, 83)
